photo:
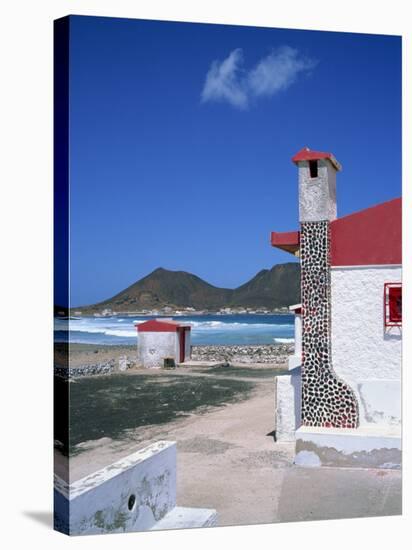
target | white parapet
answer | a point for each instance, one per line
(288, 404)
(295, 360)
(364, 447)
(133, 494)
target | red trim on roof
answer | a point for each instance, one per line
(370, 237)
(288, 241)
(307, 154)
(157, 325)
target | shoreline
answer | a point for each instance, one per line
(76, 360)
(177, 313)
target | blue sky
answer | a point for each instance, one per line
(181, 137)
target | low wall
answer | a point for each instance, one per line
(247, 354)
(364, 447)
(136, 493)
(130, 495)
(110, 366)
(275, 354)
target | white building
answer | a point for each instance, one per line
(351, 324)
(159, 339)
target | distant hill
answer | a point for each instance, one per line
(270, 288)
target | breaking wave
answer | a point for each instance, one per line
(207, 329)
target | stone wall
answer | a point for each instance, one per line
(110, 366)
(136, 493)
(276, 354)
(326, 399)
(265, 354)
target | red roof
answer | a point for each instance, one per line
(161, 325)
(289, 241)
(307, 154)
(370, 237)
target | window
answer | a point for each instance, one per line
(392, 306)
(313, 168)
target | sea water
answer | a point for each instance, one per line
(235, 329)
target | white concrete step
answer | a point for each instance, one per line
(194, 363)
(186, 518)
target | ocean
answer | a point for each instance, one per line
(206, 329)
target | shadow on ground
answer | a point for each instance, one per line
(42, 517)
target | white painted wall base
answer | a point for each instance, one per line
(288, 404)
(378, 447)
(133, 494)
(294, 361)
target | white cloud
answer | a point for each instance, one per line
(224, 83)
(227, 80)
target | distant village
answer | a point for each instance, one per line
(171, 311)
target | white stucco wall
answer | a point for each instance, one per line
(295, 360)
(153, 347)
(136, 493)
(288, 405)
(298, 334)
(364, 353)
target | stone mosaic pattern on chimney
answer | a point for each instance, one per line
(327, 401)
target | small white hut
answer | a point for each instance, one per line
(159, 339)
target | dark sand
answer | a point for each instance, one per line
(91, 354)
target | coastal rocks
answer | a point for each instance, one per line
(267, 354)
(124, 363)
(107, 367)
(273, 354)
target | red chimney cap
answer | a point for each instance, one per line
(307, 154)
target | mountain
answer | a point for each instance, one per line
(270, 288)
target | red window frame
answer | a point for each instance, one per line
(392, 304)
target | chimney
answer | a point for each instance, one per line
(317, 185)
(322, 391)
